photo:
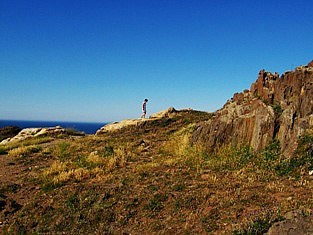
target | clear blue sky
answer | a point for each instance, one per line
(97, 60)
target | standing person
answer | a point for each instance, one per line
(144, 108)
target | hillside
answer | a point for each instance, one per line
(236, 171)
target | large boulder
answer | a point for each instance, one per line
(274, 107)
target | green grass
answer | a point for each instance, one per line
(302, 158)
(272, 151)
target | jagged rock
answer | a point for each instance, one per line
(34, 132)
(295, 224)
(274, 107)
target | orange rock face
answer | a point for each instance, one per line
(274, 107)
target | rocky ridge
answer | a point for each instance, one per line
(275, 107)
(117, 126)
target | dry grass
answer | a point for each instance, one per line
(153, 181)
(179, 152)
(24, 151)
(27, 142)
(75, 162)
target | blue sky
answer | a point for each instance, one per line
(72, 60)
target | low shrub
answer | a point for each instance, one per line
(73, 131)
(302, 158)
(277, 109)
(272, 151)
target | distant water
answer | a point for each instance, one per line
(87, 127)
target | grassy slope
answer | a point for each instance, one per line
(149, 180)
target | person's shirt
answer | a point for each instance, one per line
(144, 104)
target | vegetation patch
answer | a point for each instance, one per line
(28, 142)
(272, 151)
(156, 203)
(277, 109)
(24, 151)
(128, 181)
(303, 158)
(259, 224)
(76, 163)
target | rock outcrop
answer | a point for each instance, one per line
(142, 122)
(116, 126)
(274, 107)
(169, 113)
(294, 224)
(34, 132)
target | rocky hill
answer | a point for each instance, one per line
(276, 106)
(159, 176)
(160, 119)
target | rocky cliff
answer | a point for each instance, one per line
(275, 107)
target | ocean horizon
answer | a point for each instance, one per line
(87, 127)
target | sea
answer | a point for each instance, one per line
(87, 127)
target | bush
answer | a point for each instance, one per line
(277, 109)
(272, 151)
(303, 157)
(73, 131)
(305, 150)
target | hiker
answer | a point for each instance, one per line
(144, 108)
